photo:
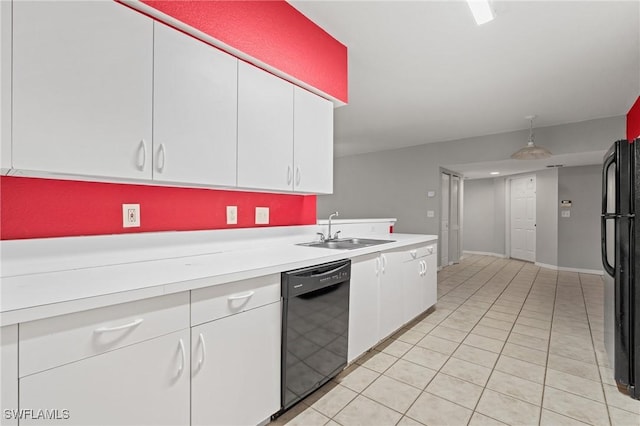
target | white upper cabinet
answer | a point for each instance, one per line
(313, 143)
(5, 85)
(195, 104)
(82, 87)
(265, 130)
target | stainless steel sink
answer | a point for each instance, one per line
(346, 243)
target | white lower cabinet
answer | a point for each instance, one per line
(388, 290)
(9, 376)
(236, 368)
(391, 293)
(430, 279)
(143, 384)
(420, 277)
(363, 305)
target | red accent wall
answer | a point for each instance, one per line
(273, 32)
(41, 208)
(633, 121)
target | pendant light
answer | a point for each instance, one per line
(531, 151)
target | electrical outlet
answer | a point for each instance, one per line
(232, 215)
(431, 213)
(262, 215)
(566, 213)
(131, 215)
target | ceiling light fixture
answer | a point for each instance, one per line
(494, 173)
(481, 10)
(531, 151)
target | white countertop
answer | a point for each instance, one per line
(58, 276)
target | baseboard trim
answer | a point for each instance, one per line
(566, 269)
(485, 253)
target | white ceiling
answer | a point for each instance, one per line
(511, 167)
(423, 71)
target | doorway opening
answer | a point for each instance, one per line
(450, 217)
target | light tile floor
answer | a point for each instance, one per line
(508, 343)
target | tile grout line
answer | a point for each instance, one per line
(604, 394)
(546, 366)
(505, 342)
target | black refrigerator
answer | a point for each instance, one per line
(620, 240)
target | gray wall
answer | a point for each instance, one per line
(547, 217)
(484, 215)
(572, 242)
(394, 183)
(579, 234)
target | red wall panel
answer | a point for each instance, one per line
(633, 121)
(273, 32)
(41, 208)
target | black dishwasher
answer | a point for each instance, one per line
(315, 328)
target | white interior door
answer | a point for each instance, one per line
(523, 218)
(444, 217)
(454, 220)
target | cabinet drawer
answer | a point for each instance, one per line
(421, 251)
(51, 342)
(219, 301)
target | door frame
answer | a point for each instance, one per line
(460, 214)
(507, 212)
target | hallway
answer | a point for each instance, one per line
(508, 343)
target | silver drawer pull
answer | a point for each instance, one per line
(120, 327)
(242, 296)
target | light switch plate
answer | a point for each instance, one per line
(131, 215)
(232, 215)
(431, 213)
(566, 213)
(262, 215)
(431, 194)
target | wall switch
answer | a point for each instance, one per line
(232, 215)
(431, 194)
(431, 213)
(566, 213)
(262, 215)
(130, 215)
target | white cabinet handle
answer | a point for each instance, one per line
(120, 327)
(162, 158)
(423, 267)
(204, 350)
(298, 176)
(384, 262)
(288, 175)
(183, 357)
(413, 253)
(142, 155)
(430, 249)
(241, 296)
(377, 266)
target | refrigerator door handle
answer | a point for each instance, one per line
(608, 161)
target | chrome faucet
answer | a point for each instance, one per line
(329, 237)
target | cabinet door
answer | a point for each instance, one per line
(363, 305)
(195, 103)
(413, 288)
(5, 86)
(82, 74)
(313, 142)
(236, 368)
(142, 384)
(265, 130)
(391, 293)
(430, 278)
(9, 377)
